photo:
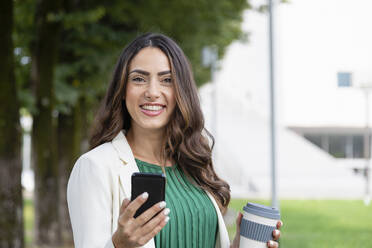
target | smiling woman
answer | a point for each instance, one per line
(150, 121)
(150, 97)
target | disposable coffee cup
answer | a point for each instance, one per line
(257, 225)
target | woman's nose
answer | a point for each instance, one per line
(153, 90)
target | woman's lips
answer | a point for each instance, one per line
(151, 111)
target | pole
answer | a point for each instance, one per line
(367, 150)
(274, 200)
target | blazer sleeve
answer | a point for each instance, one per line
(89, 201)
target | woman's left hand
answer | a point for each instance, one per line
(270, 244)
(276, 235)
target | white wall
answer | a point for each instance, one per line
(314, 40)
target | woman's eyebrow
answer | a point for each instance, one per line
(146, 73)
(163, 73)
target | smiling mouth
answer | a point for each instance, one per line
(152, 107)
(152, 110)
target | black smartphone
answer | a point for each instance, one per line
(153, 184)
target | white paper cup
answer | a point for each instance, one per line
(257, 225)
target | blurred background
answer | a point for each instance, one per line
(287, 101)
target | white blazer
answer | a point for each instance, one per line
(99, 182)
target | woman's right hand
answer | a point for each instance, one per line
(135, 232)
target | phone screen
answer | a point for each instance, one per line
(153, 184)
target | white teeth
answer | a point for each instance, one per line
(152, 107)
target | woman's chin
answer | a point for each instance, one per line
(154, 126)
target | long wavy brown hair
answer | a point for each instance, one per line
(187, 141)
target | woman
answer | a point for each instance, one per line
(150, 121)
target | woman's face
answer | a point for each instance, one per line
(150, 97)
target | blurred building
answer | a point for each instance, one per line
(322, 61)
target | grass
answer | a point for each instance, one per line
(307, 223)
(28, 213)
(321, 223)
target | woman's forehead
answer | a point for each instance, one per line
(150, 59)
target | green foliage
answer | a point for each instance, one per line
(321, 223)
(23, 37)
(95, 32)
(78, 19)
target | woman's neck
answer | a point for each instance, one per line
(147, 145)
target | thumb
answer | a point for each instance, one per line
(124, 205)
(238, 222)
(236, 241)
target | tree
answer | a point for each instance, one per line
(11, 206)
(44, 58)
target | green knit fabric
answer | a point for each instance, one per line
(192, 217)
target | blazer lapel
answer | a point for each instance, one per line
(129, 165)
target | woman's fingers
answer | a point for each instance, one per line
(143, 240)
(124, 205)
(134, 206)
(154, 226)
(149, 226)
(272, 244)
(238, 222)
(279, 224)
(276, 234)
(149, 213)
(236, 241)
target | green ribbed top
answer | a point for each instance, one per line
(192, 217)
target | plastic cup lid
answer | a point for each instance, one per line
(262, 210)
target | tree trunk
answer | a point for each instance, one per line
(44, 58)
(11, 205)
(69, 148)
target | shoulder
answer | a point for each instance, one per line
(95, 169)
(100, 159)
(104, 153)
(99, 152)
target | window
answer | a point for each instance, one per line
(337, 146)
(358, 146)
(315, 139)
(344, 79)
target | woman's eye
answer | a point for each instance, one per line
(167, 80)
(138, 79)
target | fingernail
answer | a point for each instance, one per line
(166, 211)
(162, 204)
(271, 243)
(166, 219)
(145, 195)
